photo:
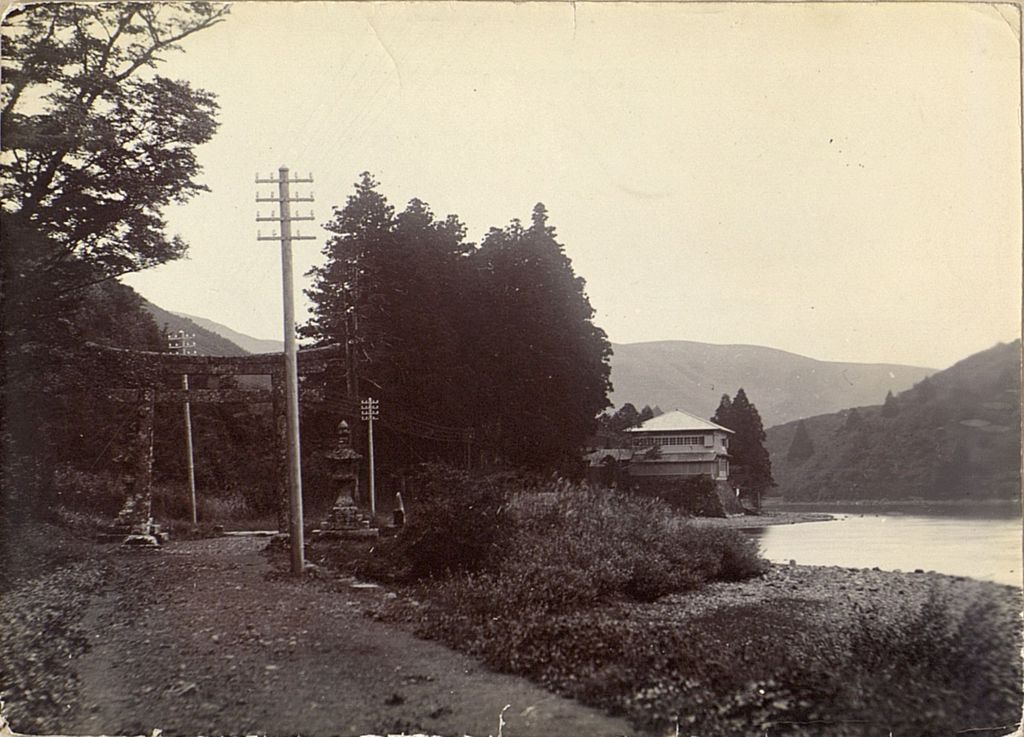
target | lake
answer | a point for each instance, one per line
(986, 548)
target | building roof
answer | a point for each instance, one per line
(677, 421)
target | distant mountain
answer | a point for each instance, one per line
(954, 435)
(692, 376)
(246, 342)
(208, 342)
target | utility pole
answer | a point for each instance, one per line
(284, 218)
(184, 344)
(370, 412)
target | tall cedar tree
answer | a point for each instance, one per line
(348, 292)
(393, 291)
(543, 362)
(750, 465)
(626, 416)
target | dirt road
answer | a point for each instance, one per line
(203, 638)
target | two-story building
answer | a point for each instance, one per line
(679, 444)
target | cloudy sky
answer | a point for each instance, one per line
(837, 180)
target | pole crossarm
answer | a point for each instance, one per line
(290, 180)
(276, 219)
(279, 238)
(290, 199)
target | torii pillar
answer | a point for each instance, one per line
(134, 523)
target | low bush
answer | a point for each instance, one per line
(944, 666)
(554, 548)
(621, 545)
(695, 497)
(454, 523)
(564, 551)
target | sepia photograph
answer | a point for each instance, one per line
(510, 369)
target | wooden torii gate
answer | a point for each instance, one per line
(134, 521)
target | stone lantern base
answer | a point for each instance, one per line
(346, 521)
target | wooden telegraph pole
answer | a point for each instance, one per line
(284, 218)
(370, 411)
(184, 344)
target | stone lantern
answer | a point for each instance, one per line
(345, 519)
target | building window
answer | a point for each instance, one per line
(670, 440)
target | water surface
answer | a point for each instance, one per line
(987, 549)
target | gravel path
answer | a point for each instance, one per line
(203, 638)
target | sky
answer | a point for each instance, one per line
(837, 180)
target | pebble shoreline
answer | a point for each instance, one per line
(846, 593)
(763, 520)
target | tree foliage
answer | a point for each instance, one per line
(498, 337)
(56, 414)
(627, 416)
(94, 143)
(750, 466)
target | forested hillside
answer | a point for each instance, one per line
(243, 341)
(208, 342)
(954, 435)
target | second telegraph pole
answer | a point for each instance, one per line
(370, 410)
(284, 218)
(184, 343)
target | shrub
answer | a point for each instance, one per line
(694, 496)
(944, 665)
(455, 523)
(727, 555)
(552, 551)
(572, 549)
